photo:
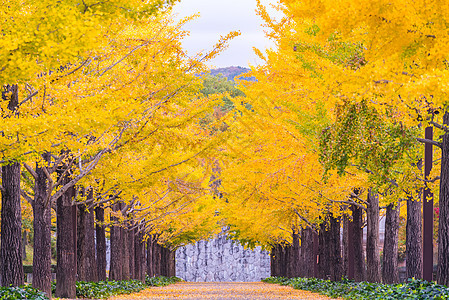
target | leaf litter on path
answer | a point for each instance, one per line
(222, 291)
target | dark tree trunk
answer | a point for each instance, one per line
(357, 238)
(329, 262)
(139, 254)
(413, 242)
(294, 257)
(171, 263)
(372, 239)
(164, 260)
(150, 267)
(276, 258)
(87, 265)
(125, 254)
(132, 253)
(11, 227)
(42, 233)
(345, 246)
(335, 249)
(307, 257)
(157, 259)
(115, 272)
(81, 244)
(65, 245)
(283, 262)
(323, 252)
(390, 273)
(443, 226)
(100, 236)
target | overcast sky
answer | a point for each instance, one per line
(219, 17)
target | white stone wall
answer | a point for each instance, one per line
(223, 260)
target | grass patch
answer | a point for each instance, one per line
(347, 289)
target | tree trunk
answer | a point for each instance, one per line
(372, 239)
(345, 246)
(132, 252)
(100, 236)
(115, 272)
(164, 260)
(139, 254)
(11, 227)
(157, 259)
(413, 241)
(125, 253)
(359, 259)
(87, 265)
(171, 263)
(65, 245)
(150, 267)
(80, 246)
(390, 273)
(335, 249)
(277, 259)
(42, 233)
(307, 257)
(443, 226)
(323, 252)
(294, 259)
(329, 262)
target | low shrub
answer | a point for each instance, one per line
(347, 289)
(21, 292)
(161, 281)
(105, 289)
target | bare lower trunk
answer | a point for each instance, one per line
(345, 246)
(294, 257)
(100, 236)
(307, 257)
(42, 233)
(413, 241)
(65, 245)
(132, 254)
(324, 267)
(329, 262)
(150, 265)
(139, 253)
(357, 238)
(278, 262)
(443, 226)
(335, 249)
(171, 263)
(157, 259)
(372, 239)
(390, 272)
(87, 265)
(11, 227)
(125, 254)
(116, 262)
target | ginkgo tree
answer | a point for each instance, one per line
(324, 88)
(82, 105)
(405, 66)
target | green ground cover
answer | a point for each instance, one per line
(347, 289)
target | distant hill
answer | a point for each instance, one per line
(231, 72)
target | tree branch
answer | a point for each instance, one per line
(427, 141)
(26, 196)
(30, 169)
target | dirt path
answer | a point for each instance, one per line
(222, 291)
